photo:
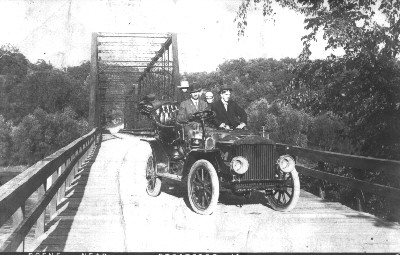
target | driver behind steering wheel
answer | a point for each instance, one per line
(188, 107)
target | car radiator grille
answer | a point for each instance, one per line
(261, 160)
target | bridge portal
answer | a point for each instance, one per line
(126, 66)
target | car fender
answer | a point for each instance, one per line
(213, 156)
(160, 155)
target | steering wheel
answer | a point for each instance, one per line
(204, 115)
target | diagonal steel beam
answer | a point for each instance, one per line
(157, 56)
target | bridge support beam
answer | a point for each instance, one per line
(94, 106)
(175, 75)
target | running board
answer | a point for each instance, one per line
(170, 176)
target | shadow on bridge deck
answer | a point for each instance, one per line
(60, 226)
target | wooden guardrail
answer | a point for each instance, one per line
(50, 178)
(359, 164)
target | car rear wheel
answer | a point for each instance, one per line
(284, 198)
(153, 182)
(203, 187)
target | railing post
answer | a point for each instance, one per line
(87, 151)
(68, 180)
(360, 200)
(321, 186)
(40, 223)
(75, 168)
(61, 191)
(72, 173)
(359, 197)
(17, 218)
(78, 163)
(53, 202)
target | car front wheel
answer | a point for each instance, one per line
(153, 182)
(203, 187)
(285, 196)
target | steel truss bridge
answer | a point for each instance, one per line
(128, 66)
(90, 195)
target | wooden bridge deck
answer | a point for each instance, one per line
(107, 209)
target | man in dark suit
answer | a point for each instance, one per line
(229, 115)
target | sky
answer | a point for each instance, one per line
(59, 31)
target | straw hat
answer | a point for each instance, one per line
(184, 85)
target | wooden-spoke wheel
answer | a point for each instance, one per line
(153, 182)
(203, 187)
(285, 196)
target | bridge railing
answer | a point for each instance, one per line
(49, 178)
(358, 164)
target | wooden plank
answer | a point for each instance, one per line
(354, 183)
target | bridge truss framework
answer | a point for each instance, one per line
(127, 66)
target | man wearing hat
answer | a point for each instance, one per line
(192, 105)
(229, 115)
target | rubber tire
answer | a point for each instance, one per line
(156, 190)
(214, 187)
(293, 201)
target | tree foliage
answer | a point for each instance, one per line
(354, 96)
(40, 134)
(250, 80)
(5, 141)
(362, 86)
(41, 108)
(47, 88)
(350, 25)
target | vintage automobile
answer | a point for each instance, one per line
(209, 158)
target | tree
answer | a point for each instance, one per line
(250, 80)
(51, 90)
(79, 101)
(347, 24)
(81, 72)
(39, 134)
(361, 86)
(41, 65)
(5, 142)
(13, 64)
